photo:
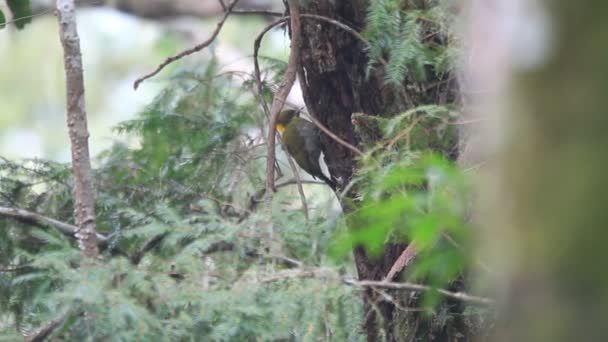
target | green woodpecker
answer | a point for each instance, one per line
(302, 139)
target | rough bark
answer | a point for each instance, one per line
(335, 86)
(84, 199)
(548, 190)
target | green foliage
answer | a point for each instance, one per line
(22, 12)
(410, 190)
(411, 40)
(2, 20)
(188, 256)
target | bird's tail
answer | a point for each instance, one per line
(328, 181)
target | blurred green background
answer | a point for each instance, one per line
(117, 49)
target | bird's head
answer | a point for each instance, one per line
(285, 118)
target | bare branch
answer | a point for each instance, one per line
(406, 257)
(147, 246)
(419, 288)
(43, 332)
(43, 221)
(327, 273)
(296, 174)
(284, 89)
(256, 64)
(84, 200)
(190, 51)
(298, 274)
(294, 181)
(332, 134)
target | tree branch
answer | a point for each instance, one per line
(327, 273)
(419, 288)
(29, 217)
(43, 332)
(147, 246)
(190, 51)
(284, 89)
(84, 200)
(406, 257)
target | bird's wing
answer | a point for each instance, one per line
(311, 135)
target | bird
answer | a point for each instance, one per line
(302, 140)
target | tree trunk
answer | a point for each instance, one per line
(549, 190)
(335, 85)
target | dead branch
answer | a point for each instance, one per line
(190, 51)
(36, 219)
(329, 274)
(84, 200)
(419, 288)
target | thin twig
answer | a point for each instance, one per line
(190, 51)
(333, 135)
(294, 181)
(296, 174)
(406, 133)
(313, 116)
(12, 21)
(329, 274)
(14, 268)
(258, 12)
(287, 260)
(419, 288)
(478, 261)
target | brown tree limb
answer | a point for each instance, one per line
(258, 79)
(419, 288)
(29, 217)
(284, 89)
(190, 51)
(84, 199)
(406, 258)
(43, 332)
(326, 273)
(147, 246)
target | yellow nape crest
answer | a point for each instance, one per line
(281, 128)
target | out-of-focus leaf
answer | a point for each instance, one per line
(2, 20)
(22, 12)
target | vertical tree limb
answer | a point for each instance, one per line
(281, 94)
(84, 200)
